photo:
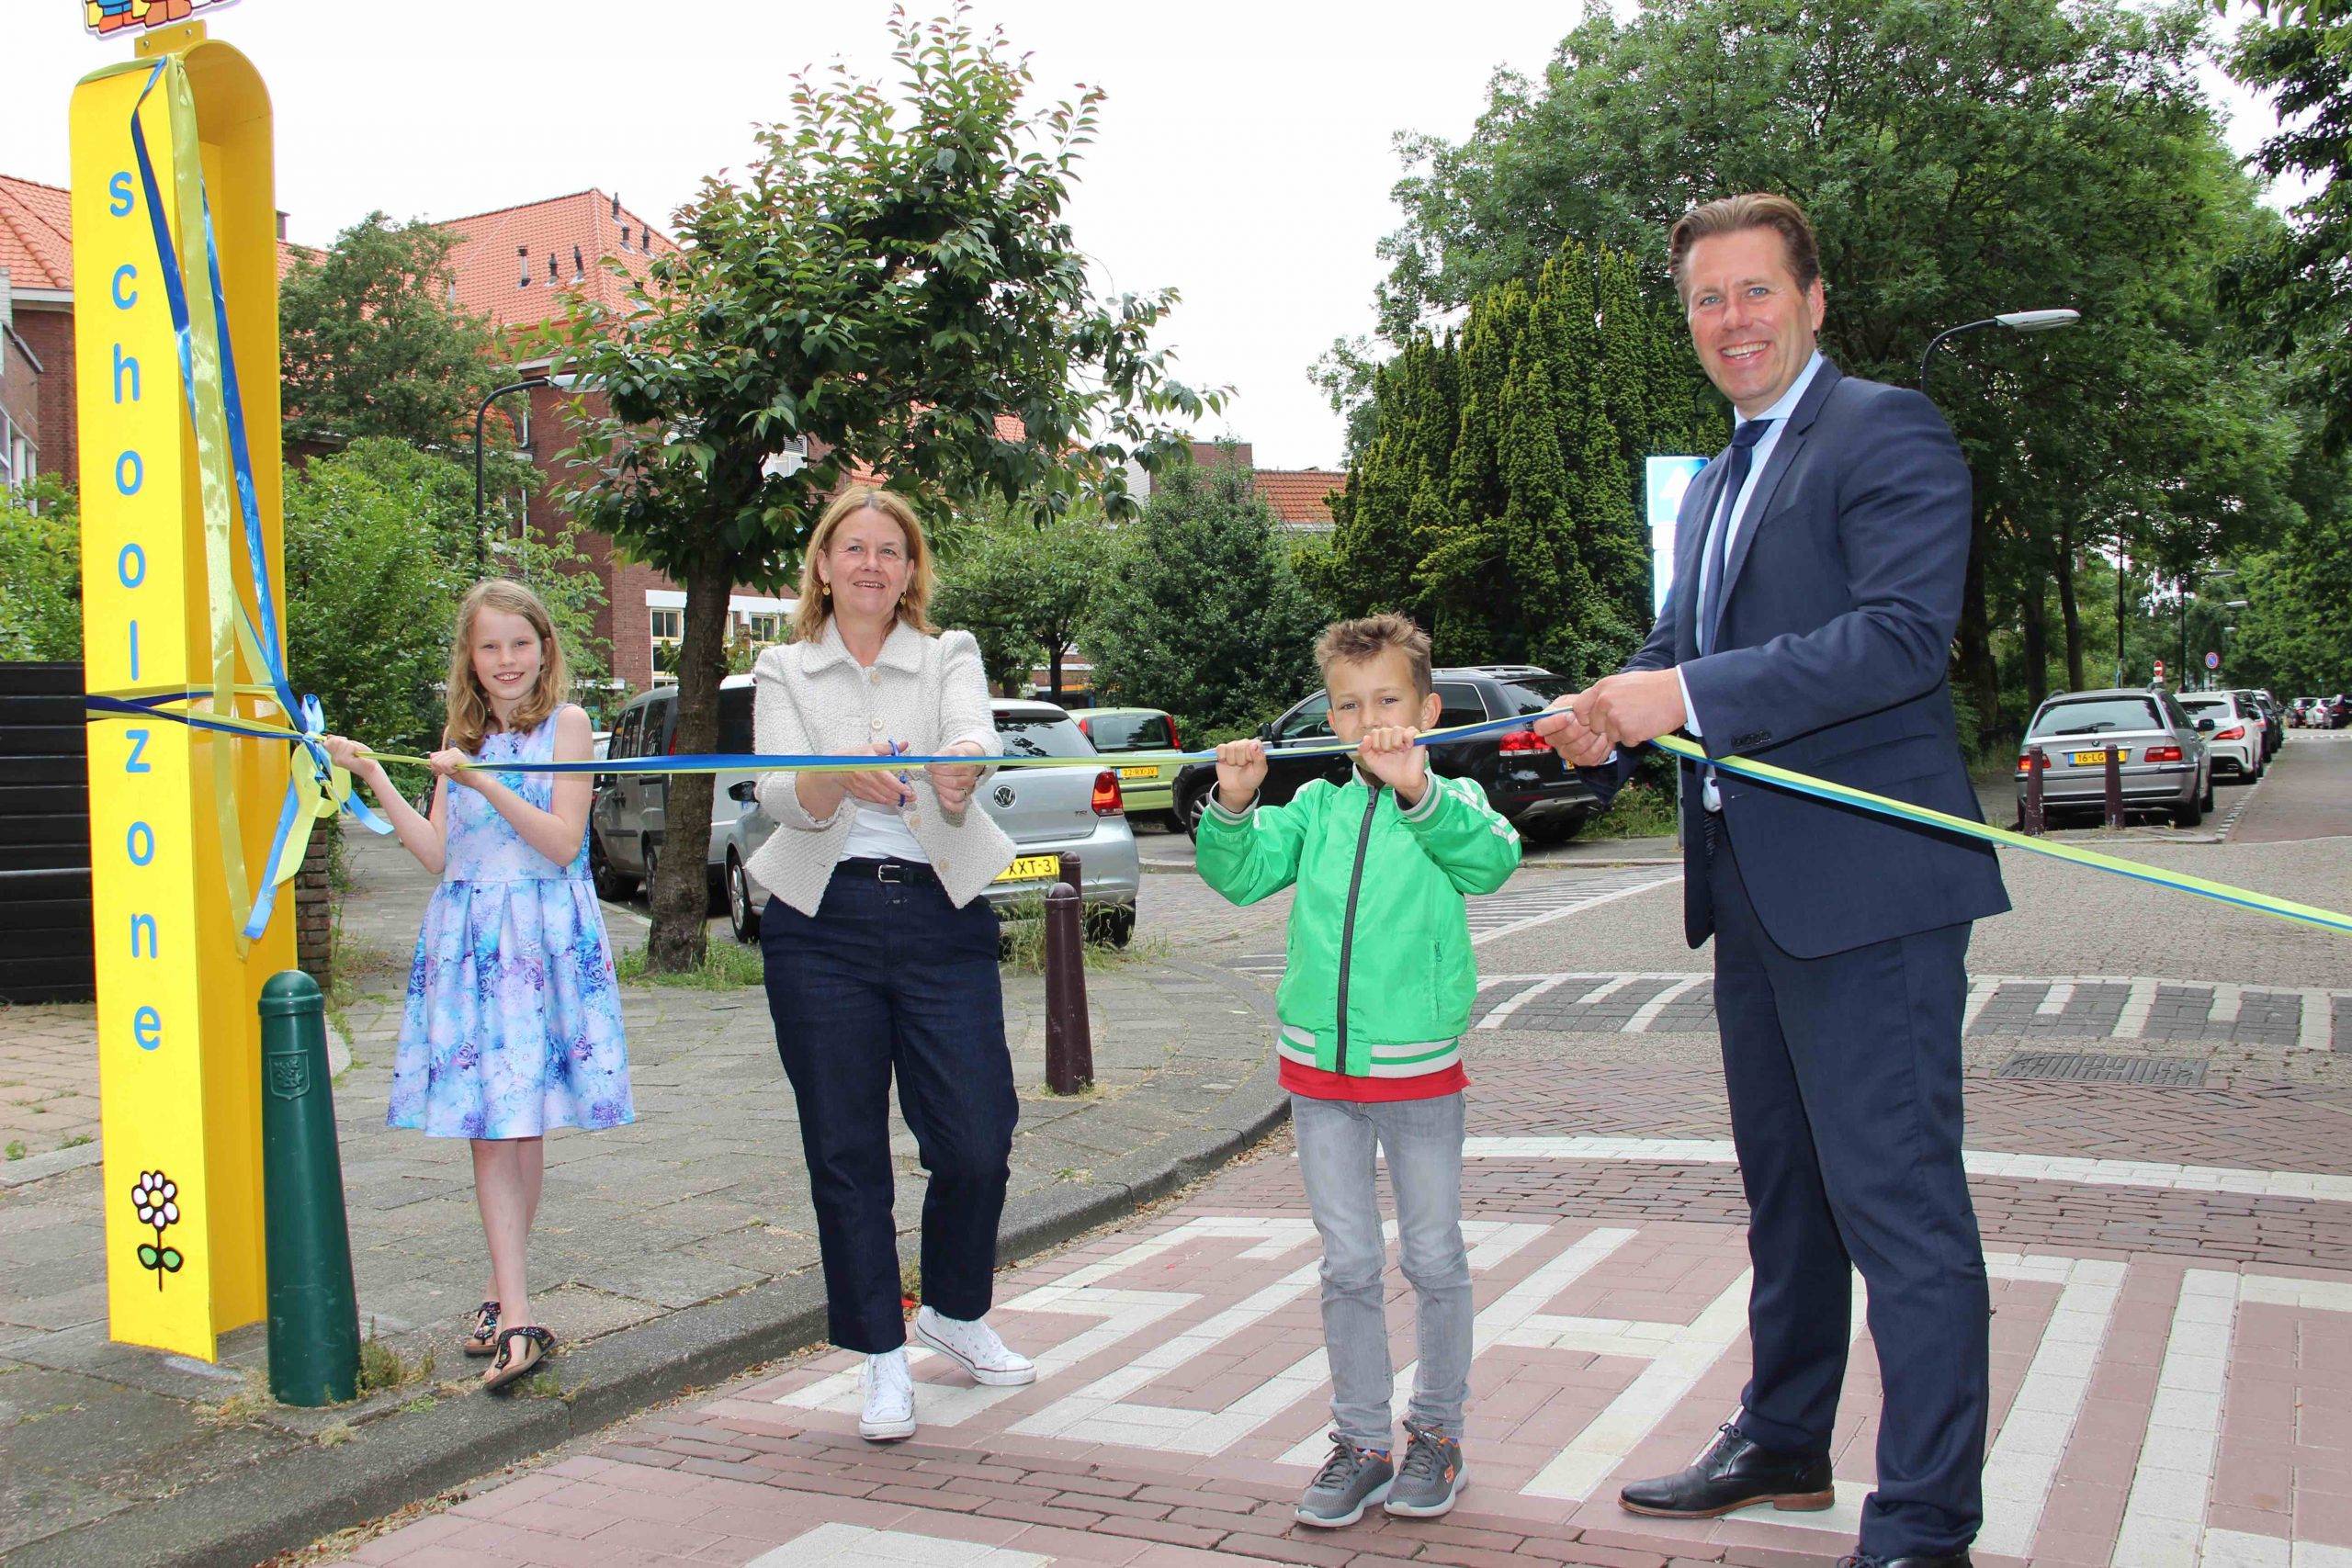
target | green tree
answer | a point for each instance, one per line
(1498, 500)
(2292, 287)
(40, 573)
(893, 280)
(1021, 585)
(379, 550)
(1202, 613)
(1957, 158)
(372, 344)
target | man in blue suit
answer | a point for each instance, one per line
(1818, 569)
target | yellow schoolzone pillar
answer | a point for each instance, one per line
(180, 818)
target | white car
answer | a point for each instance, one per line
(1047, 812)
(2236, 742)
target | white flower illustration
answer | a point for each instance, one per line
(155, 1200)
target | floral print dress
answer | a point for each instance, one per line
(514, 1018)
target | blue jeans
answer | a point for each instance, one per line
(1422, 1139)
(891, 978)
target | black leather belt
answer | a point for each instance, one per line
(891, 870)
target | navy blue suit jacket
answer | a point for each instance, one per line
(1841, 596)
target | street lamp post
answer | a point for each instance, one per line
(482, 541)
(2014, 321)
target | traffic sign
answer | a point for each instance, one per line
(2213, 660)
(2160, 672)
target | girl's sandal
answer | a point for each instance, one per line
(538, 1345)
(483, 1340)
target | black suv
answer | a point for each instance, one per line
(1524, 779)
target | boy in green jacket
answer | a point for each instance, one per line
(1373, 1004)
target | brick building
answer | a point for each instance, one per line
(37, 421)
(522, 267)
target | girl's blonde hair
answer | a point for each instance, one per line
(470, 717)
(815, 599)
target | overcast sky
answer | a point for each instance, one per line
(1245, 155)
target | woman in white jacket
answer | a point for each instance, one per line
(881, 953)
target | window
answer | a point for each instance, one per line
(1040, 732)
(668, 625)
(1131, 731)
(1534, 694)
(763, 626)
(1311, 721)
(2096, 716)
(1463, 705)
(735, 720)
(626, 734)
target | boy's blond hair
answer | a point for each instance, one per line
(1354, 642)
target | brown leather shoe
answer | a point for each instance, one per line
(1734, 1473)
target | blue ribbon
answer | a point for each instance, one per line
(262, 627)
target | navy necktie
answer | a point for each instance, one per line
(1717, 555)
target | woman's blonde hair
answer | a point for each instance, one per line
(817, 600)
(470, 717)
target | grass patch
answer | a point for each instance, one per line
(726, 967)
(247, 1404)
(381, 1367)
(1021, 944)
(16, 1148)
(76, 1141)
(1641, 810)
(334, 1436)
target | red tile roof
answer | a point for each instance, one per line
(1301, 495)
(496, 250)
(36, 234)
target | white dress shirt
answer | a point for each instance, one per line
(1710, 560)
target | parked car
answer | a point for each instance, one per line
(2337, 711)
(627, 822)
(1047, 812)
(2274, 728)
(1149, 786)
(2299, 712)
(1525, 778)
(2162, 753)
(2236, 739)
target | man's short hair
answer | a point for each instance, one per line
(1354, 642)
(1730, 214)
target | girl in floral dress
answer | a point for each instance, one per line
(514, 1019)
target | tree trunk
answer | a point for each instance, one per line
(1053, 664)
(2033, 614)
(681, 890)
(2070, 610)
(1978, 671)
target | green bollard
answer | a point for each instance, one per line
(314, 1308)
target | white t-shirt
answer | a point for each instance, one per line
(879, 833)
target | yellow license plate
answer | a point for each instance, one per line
(2098, 759)
(1031, 868)
(1139, 773)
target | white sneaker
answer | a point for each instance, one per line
(889, 1399)
(975, 1347)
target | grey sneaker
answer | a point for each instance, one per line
(1350, 1481)
(1431, 1478)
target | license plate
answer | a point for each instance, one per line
(1032, 868)
(1139, 773)
(2098, 759)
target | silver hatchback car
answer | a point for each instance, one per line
(1047, 813)
(2161, 753)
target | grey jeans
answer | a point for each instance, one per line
(1423, 1141)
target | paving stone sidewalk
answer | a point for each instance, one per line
(2168, 1393)
(674, 1251)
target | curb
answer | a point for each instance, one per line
(294, 1498)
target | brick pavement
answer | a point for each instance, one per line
(691, 1228)
(49, 1078)
(2173, 1368)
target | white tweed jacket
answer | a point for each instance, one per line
(926, 692)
